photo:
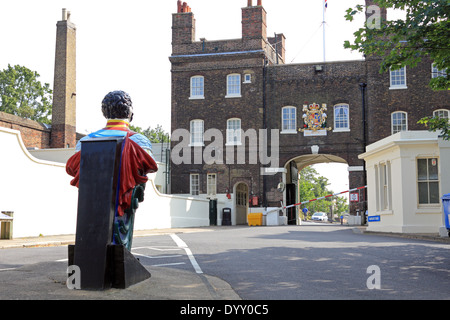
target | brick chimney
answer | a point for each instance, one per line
(254, 21)
(64, 87)
(183, 25)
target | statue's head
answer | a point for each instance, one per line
(117, 105)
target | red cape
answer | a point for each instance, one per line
(135, 165)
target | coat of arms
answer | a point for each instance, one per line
(314, 118)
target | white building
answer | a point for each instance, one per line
(407, 175)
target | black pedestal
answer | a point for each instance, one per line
(102, 264)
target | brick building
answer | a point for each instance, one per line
(241, 86)
(62, 132)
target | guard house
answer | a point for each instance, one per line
(407, 175)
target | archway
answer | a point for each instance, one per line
(240, 190)
(293, 168)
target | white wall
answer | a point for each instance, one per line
(43, 201)
(55, 155)
(159, 211)
(37, 191)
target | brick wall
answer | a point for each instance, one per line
(418, 100)
(276, 86)
(34, 134)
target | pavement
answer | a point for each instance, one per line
(47, 280)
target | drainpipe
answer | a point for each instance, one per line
(363, 87)
(264, 199)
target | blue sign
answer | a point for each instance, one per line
(374, 218)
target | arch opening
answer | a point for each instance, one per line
(295, 190)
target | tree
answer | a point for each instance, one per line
(22, 94)
(157, 135)
(313, 186)
(436, 123)
(425, 32)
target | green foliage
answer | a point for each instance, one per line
(436, 123)
(425, 32)
(313, 186)
(22, 94)
(157, 135)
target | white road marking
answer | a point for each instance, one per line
(181, 244)
(168, 264)
(167, 248)
(157, 257)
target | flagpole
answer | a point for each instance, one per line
(323, 26)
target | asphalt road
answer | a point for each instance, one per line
(322, 261)
(314, 261)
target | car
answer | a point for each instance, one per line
(320, 216)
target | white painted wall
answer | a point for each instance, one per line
(37, 191)
(43, 201)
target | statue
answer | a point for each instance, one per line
(116, 162)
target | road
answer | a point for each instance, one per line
(322, 261)
(310, 262)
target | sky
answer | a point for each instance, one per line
(126, 45)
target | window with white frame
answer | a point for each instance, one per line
(385, 192)
(197, 87)
(341, 117)
(435, 72)
(377, 187)
(289, 120)
(195, 184)
(212, 184)
(399, 121)
(233, 85)
(233, 131)
(441, 113)
(383, 186)
(428, 181)
(398, 78)
(197, 130)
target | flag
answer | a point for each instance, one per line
(326, 4)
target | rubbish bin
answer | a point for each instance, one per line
(446, 205)
(226, 217)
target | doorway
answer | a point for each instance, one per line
(241, 202)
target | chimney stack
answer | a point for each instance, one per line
(183, 7)
(183, 25)
(254, 22)
(64, 87)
